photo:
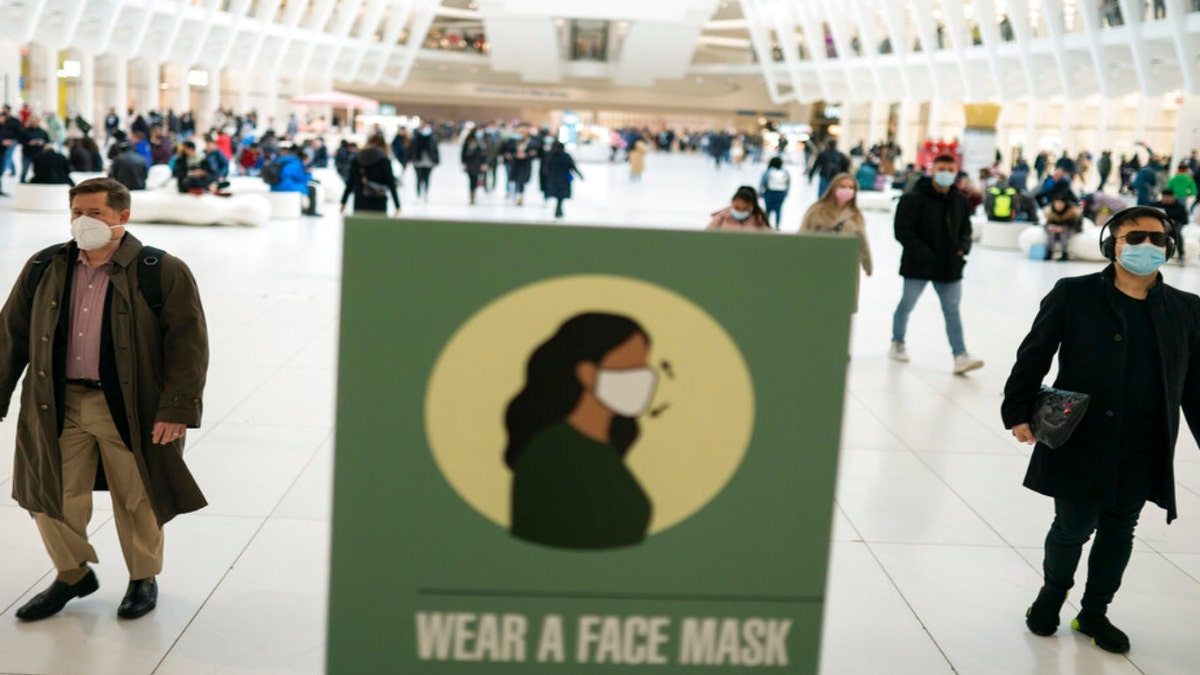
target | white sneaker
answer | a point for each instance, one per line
(898, 352)
(964, 363)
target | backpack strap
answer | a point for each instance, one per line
(39, 265)
(149, 273)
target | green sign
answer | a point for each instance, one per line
(574, 450)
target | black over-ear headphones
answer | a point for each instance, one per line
(1108, 245)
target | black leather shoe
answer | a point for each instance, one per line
(50, 601)
(140, 598)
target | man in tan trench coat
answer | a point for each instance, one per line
(112, 386)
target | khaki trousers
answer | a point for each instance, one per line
(89, 436)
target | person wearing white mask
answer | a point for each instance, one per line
(933, 224)
(1132, 343)
(836, 212)
(743, 213)
(569, 430)
(114, 337)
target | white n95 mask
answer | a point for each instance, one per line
(627, 393)
(90, 234)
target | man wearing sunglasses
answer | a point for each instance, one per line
(1132, 343)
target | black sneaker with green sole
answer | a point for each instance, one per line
(1104, 635)
(1042, 616)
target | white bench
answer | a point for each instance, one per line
(284, 205)
(332, 183)
(1002, 235)
(170, 206)
(877, 200)
(43, 198)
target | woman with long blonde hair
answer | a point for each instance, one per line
(837, 212)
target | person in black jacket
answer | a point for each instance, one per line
(475, 160)
(424, 155)
(933, 224)
(51, 168)
(1132, 343)
(129, 167)
(560, 173)
(370, 179)
(33, 139)
(828, 164)
(1178, 214)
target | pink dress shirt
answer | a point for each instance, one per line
(89, 286)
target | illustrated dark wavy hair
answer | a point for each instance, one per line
(552, 389)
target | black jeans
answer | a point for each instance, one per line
(1074, 523)
(423, 180)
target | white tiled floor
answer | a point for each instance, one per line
(936, 544)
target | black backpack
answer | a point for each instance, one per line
(149, 273)
(272, 172)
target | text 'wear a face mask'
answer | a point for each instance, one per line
(91, 234)
(944, 178)
(627, 393)
(1142, 259)
(739, 214)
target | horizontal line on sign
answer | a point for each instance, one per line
(560, 595)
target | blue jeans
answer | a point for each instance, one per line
(773, 203)
(8, 164)
(949, 293)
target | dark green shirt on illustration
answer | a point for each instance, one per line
(571, 491)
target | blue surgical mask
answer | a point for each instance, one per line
(738, 214)
(1142, 259)
(944, 178)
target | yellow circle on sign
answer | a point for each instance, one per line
(683, 457)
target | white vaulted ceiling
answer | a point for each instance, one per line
(804, 50)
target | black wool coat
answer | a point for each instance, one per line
(1082, 321)
(933, 228)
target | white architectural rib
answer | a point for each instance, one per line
(1185, 44)
(762, 48)
(210, 15)
(74, 16)
(143, 30)
(870, 42)
(815, 41)
(841, 44)
(1019, 13)
(370, 23)
(990, 32)
(1091, 25)
(345, 21)
(1133, 25)
(266, 12)
(33, 16)
(323, 10)
(960, 39)
(423, 15)
(397, 18)
(293, 17)
(240, 9)
(1053, 11)
(180, 15)
(894, 19)
(927, 32)
(110, 27)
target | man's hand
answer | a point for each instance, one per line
(167, 432)
(1023, 433)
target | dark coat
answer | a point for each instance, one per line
(130, 169)
(51, 168)
(370, 164)
(559, 167)
(1082, 321)
(153, 369)
(519, 155)
(935, 231)
(474, 157)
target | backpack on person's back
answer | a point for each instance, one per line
(272, 172)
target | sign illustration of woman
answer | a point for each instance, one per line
(569, 430)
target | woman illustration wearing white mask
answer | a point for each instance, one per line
(569, 431)
(743, 213)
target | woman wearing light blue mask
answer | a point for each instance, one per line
(743, 213)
